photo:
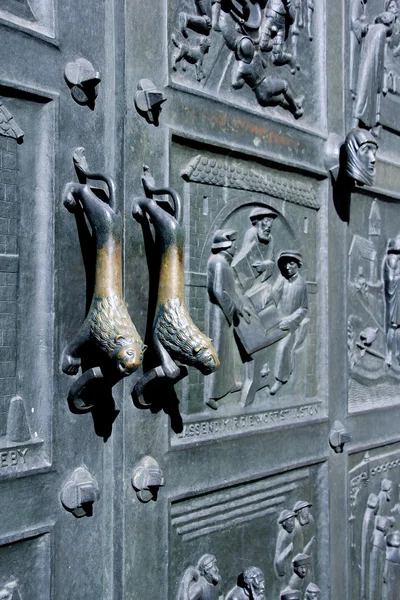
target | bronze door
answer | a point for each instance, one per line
(274, 124)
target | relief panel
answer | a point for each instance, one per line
(251, 285)
(261, 54)
(272, 528)
(25, 566)
(374, 503)
(374, 67)
(25, 276)
(33, 16)
(373, 295)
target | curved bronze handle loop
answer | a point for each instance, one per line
(75, 399)
(151, 190)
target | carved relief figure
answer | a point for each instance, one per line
(290, 295)
(312, 592)
(279, 16)
(360, 153)
(107, 324)
(175, 336)
(391, 573)
(358, 31)
(305, 525)
(370, 83)
(366, 535)
(194, 55)
(385, 497)
(269, 91)
(288, 543)
(377, 557)
(289, 594)
(250, 587)
(391, 286)
(301, 564)
(201, 582)
(254, 263)
(228, 306)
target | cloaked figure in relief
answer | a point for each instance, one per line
(301, 564)
(371, 72)
(358, 31)
(251, 586)
(305, 525)
(391, 572)
(366, 535)
(312, 592)
(289, 543)
(360, 149)
(175, 337)
(377, 557)
(250, 69)
(254, 262)
(201, 582)
(108, 325)
(227, 307)
(391, 287)
(279, 16)
(290, 296)
(385, 497)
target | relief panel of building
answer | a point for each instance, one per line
(373, 296)
(261, 55)
(374, 522)
(251, 275)
(274, 528)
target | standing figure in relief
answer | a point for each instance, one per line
(290, 296)
(227, 307)
(391, 574)
(370, 83)
(358, 31)
(377, 558)
(289, 542)
(279, 16)
(391, 286)
(366, 535)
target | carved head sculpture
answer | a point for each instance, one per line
(302, 510)
(289, 262)
(263, 218)
(387, 18)
(287, 519)
(373, 503)
(360, 152)
(312, 592)
(301, 563)
(244, 50)
(387, 488)
(224, 239)
(289, 594)
(254, 583)
(207, 567)
(382, 524)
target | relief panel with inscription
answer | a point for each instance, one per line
(373, 302)
(251, 284)
(374, 523)
(258, 54)
(274, 524)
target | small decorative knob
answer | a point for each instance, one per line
(148, 101)
(80, 493)
(147, 479)
(338, 437)
(82, 79)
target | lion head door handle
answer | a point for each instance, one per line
(80, 493)
(338, 437)
(108, 326)
(175, 337)
(147, 479)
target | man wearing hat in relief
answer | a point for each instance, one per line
(290, 296)
(228, 306)
(312, 592)
(288, 543)
(254, 263)
(300, 563)
(305, 524)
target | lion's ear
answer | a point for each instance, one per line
(120, 339)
